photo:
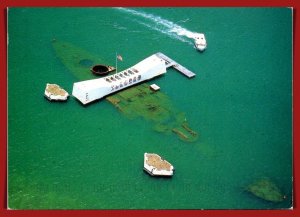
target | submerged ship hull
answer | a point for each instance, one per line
(137, 101)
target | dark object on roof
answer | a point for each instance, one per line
(102, 69)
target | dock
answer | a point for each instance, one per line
(175, 65)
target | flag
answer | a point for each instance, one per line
(120, 57)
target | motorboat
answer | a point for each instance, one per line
(200, 42)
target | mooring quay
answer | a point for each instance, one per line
(175, 65)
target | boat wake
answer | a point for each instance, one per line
(164, 26)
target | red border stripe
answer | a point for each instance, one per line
(154, 3)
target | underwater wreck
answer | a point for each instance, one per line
(267, 190)
(102, 70)
(134, 101)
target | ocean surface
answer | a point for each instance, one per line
(67, 156)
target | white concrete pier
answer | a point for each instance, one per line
(175, 65)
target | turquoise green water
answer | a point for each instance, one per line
(66, 156)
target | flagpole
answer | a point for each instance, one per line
(116, 63)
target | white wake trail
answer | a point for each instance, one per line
(162, 25)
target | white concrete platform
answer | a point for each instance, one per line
(156, 166)
(154, 87)
(90, 90)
